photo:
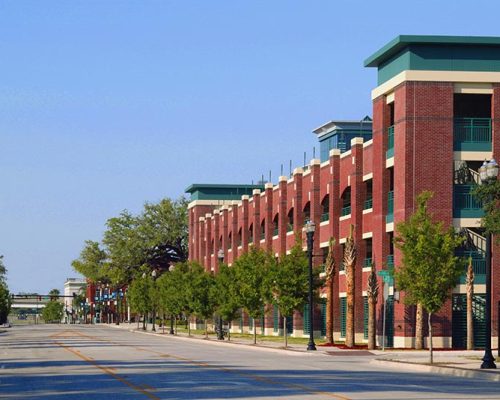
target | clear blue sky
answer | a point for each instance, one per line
(105, 105)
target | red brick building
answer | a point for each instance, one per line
(436, 117)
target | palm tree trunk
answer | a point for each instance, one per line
(419, 328)
(329, 313)
(372, 326)
(469, 281)
(349, 335)
(430, 338)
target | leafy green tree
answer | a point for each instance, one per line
(200, 292)
(489, 195)
(53, 312)
(252, 274)
(5, 302)
(139, 296)
(91, 262)
(54, 294)
(289, 279)
(429, 268)
(226, 294)
(3, 270)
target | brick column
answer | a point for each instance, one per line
(358, 194)
(208, 242)
(224, 231)
(216, 236)
(256, 218)
(234, 208)
(269, 216)
(298, 216)
(201, 241)
(244, 225)
(282, 218)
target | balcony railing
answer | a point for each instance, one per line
(289, 227)
(367, 262)
(325, 217)
(368, 204)
(275, 231)
(390, 142)
(345, 211)
(390, 261)
(478, 265)
(465, 205)
(472, 134)
(390, 207)
(262, 235)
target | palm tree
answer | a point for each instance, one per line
(372, 293)
(349, 262)
(469, 285)
(330, 278)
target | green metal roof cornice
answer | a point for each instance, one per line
(402, 41)
(197, 186)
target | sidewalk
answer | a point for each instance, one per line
(462, 363)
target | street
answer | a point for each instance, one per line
(99, 362)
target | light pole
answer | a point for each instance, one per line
(309, 228)
(220, 333)
(153, 275)
(488, 174)
(172, 332)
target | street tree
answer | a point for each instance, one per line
(429, 268)
(252, 270)
(5, 302)
(226, 294)
(200, 291)
(289, 283)
(53, 312)
(54, 294)
(349, 263)
(330, 271)
(372, 294)
(3, 270)
(139, 296)
(489, 195)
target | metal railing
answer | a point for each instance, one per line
(465, 205)
(367, 262)
(325, 217)
(345, 211)
(368, 204)
(472, 134)
(390, 142)
(390, 207)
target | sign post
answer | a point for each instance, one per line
(387, 280)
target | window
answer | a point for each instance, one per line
(325, 209)
(289, 226)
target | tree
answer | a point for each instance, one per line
(469, 285)
(289, 279)
(139, 296)
(91, 262)
(349, 262)
(226, 294)
(5, 302)
(330, 272)
(419, 327)
(372, 294)
(429, 268)
(53, 312)
(200, 291)
(489, 195)
(54, 294)
(252, 270)
(3, 270)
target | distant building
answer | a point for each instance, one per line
(72, 286)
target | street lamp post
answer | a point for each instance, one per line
(220, 333)
(153, 275)
(488, 174)
(172, 332)
(309, 228)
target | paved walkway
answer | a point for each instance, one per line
(465, 363)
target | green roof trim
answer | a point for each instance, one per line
(400, 42)
(208, 191)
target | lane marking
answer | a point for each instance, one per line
(109, 372)
(255, 377)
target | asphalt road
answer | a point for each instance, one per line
(89, 362)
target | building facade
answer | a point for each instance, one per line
(436, 117)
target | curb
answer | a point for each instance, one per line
(444, 370)
(289, 351)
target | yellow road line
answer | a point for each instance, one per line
(227, 370)
(109, 372)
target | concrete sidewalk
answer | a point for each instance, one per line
(464, 363)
